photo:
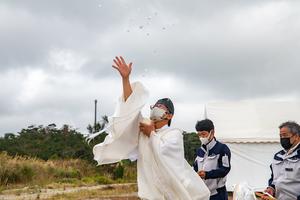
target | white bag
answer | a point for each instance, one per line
(243, 191)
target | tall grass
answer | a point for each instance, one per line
(28, 171)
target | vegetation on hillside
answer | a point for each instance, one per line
(45, 154)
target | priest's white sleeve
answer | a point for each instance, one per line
(123, 128)
(182, 179)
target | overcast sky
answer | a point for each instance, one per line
(56, 56)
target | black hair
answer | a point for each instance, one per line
(169, 122)
(205, 125)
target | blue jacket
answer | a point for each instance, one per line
(214, 159)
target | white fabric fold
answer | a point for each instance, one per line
(122, 140)
(163, 173)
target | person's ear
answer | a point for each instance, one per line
(297, 138)
(169, 116)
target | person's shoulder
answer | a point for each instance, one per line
(222, 147)
(200, 152)
(281, 152)
(221, 144)
(279, 155)
(298, 153)
(173, 131)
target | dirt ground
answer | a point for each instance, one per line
(84, 193)
(72, 193)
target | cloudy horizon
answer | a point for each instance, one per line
(56, 56)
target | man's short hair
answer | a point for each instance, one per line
(292, 126)
(205, 125)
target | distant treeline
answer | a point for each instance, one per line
(50, 142)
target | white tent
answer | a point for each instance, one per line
(250, 129)
(250, 161)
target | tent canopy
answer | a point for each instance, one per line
(251, 119)
(250, 129)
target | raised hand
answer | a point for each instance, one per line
(124, 71)
(122, 67)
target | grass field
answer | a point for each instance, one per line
(20, 172)
(25, 178)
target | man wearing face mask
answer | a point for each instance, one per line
(213, 160)
(163, 173)
(284, 183)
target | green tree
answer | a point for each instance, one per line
(98, 126)
(47, 142)
(191, 144)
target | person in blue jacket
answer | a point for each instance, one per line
(284, 183)
(213, 160)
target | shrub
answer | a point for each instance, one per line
(102, 180)
(118, 172)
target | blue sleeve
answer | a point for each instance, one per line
(195, 165)
(223, 165)
(271, 179)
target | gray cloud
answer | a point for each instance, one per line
(225, 51)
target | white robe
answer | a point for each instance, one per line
(163, 173)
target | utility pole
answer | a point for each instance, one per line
(95, 123)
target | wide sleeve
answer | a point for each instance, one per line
(123, 129)
(169, 154)
(169, 148)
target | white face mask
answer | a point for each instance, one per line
(204, 141)
(157, 114)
